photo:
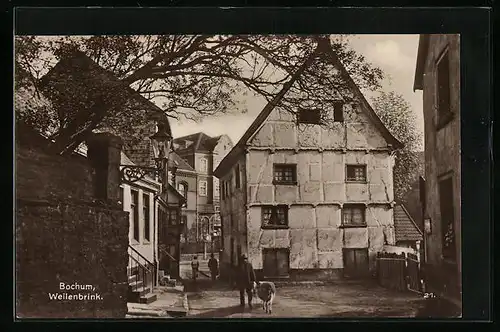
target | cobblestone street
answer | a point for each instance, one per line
(209, 300)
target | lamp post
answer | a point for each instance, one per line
(161, 142)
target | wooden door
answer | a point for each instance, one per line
(283, 262)
(276, 262)
(269, 263)
(356, 262)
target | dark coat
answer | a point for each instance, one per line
(213, 265)
(245, 275)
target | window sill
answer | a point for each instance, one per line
(277, 277)
(444, 120)
(134, 242)
(275, 227)
(146, 242)
(353, 226)
(281, 183)
(355, 181)
(309, 122)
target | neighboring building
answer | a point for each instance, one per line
(185, 182)
(438, 75)
(411, 199)
(154, 209)
(407, 233)
(308, 199)
(140, 199)
(203, 153)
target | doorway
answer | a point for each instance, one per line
(355, 262)
(276, 262)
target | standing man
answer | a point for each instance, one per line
(245, 278)
(213, 266)
(195, 265)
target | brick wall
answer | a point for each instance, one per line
(65, 235)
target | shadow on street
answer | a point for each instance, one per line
(219, 313)
(205, 284)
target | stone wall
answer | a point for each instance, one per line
(442, 159)
(70, 229)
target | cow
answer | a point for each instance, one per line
(266, 291)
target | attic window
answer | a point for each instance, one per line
(311, 116)
(338, 112)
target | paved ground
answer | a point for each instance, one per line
(169, 303)
(209, 300)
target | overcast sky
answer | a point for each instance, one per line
(394, 54)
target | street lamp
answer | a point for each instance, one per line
(161, 142)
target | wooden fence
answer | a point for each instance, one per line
(399, 271)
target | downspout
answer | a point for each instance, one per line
(155, 232)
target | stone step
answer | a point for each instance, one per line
(141, 291)
(132, 278)
(147, 298)
(136, 284)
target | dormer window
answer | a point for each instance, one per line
(310, 116)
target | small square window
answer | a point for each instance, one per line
(356, 173)
(311, 116)
(353, 215)
(285, 174)
(275, 216)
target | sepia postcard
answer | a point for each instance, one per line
(238, 176)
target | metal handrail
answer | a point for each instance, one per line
(146, 268)
(140, 264)
(139, 254)
(167, 253)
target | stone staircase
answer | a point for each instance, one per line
(140, 291)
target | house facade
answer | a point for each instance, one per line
(438, 76)
(304, 199)
(140, 199)
(203, 153)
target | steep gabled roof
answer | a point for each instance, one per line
(325, 48)
(404, 226)
(77, 79)
(423, 48)
(180, 163)
(202, 142)
(102, 78)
